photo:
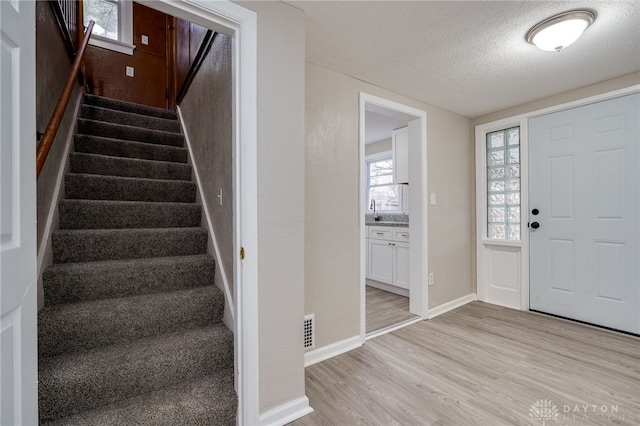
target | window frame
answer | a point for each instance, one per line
(124, 44)
(374, 158)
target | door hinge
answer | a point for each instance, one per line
(241, 253)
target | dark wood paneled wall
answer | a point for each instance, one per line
(151, 82)
(188, 40)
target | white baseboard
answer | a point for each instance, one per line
(231, 311)
(387, 287)
(286, 413)
(329, 351)
(449, 306)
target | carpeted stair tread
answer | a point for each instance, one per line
(128, 167)
(97, 113)
(103, 102)
(87, 380)
(82, 281)
(87, 245)
(130, 149)
(109, 214)
(74, 327)
(209, 400)
(99, 187)
(131, 133)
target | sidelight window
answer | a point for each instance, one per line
(503, 184)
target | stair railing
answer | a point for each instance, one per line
(56, 118)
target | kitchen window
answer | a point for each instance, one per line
(380, 187)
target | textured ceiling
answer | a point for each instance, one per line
(469, 57)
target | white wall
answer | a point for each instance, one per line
(281, 44)
(331, 233)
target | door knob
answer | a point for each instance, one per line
(535, 212)
(535, 225)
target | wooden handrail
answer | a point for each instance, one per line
(54, 123)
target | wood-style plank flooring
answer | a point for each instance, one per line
(481, 365)
(385, 309)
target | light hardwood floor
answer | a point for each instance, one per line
(481, 365)
(385, 309)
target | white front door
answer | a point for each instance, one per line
(18, 304)
(585, 184)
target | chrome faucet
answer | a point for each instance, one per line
(373, 207)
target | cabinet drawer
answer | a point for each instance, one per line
(380, 233)
(401, 234)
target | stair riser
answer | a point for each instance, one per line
(66, 391)
(83, 214)
(129, 149)
(129, 119)
(211, 401)
(70, 283)
(129, 107)
(95, 245)
(82, 326)
(89, 187)
(115, 166)
(130, 133)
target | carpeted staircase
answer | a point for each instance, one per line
(131, 332)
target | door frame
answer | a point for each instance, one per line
(484, 245)
(418, 210)
(241, 24)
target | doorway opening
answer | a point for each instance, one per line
(393, 216)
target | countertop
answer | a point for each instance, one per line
(388, 223)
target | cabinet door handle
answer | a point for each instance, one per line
(379, 233)
(405, 235)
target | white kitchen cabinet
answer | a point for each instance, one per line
(400, 149)
(381, 261)
(401, 262)
(388, 255)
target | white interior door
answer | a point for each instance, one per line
(584, 181)
(18, 305)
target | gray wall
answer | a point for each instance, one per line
(52, 66)
(281, 94)
(207, 114)
(332, 168)
(584, 92)
(377, 147)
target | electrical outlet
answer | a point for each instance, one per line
(433, 198)
(145, 40)
(129, 71)
(431, 278)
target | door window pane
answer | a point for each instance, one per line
(503, 184)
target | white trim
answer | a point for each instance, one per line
(321, 354)
(212, 234)
(110, 44)
(480, 132)
(419, 242)
(396, 327)
(451, 305)
(234, 20)
(46, 235)
(286, 413)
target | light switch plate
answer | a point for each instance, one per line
(433, 198)
(145, 40)
(129, 72)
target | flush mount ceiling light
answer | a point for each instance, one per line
(561, 30)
